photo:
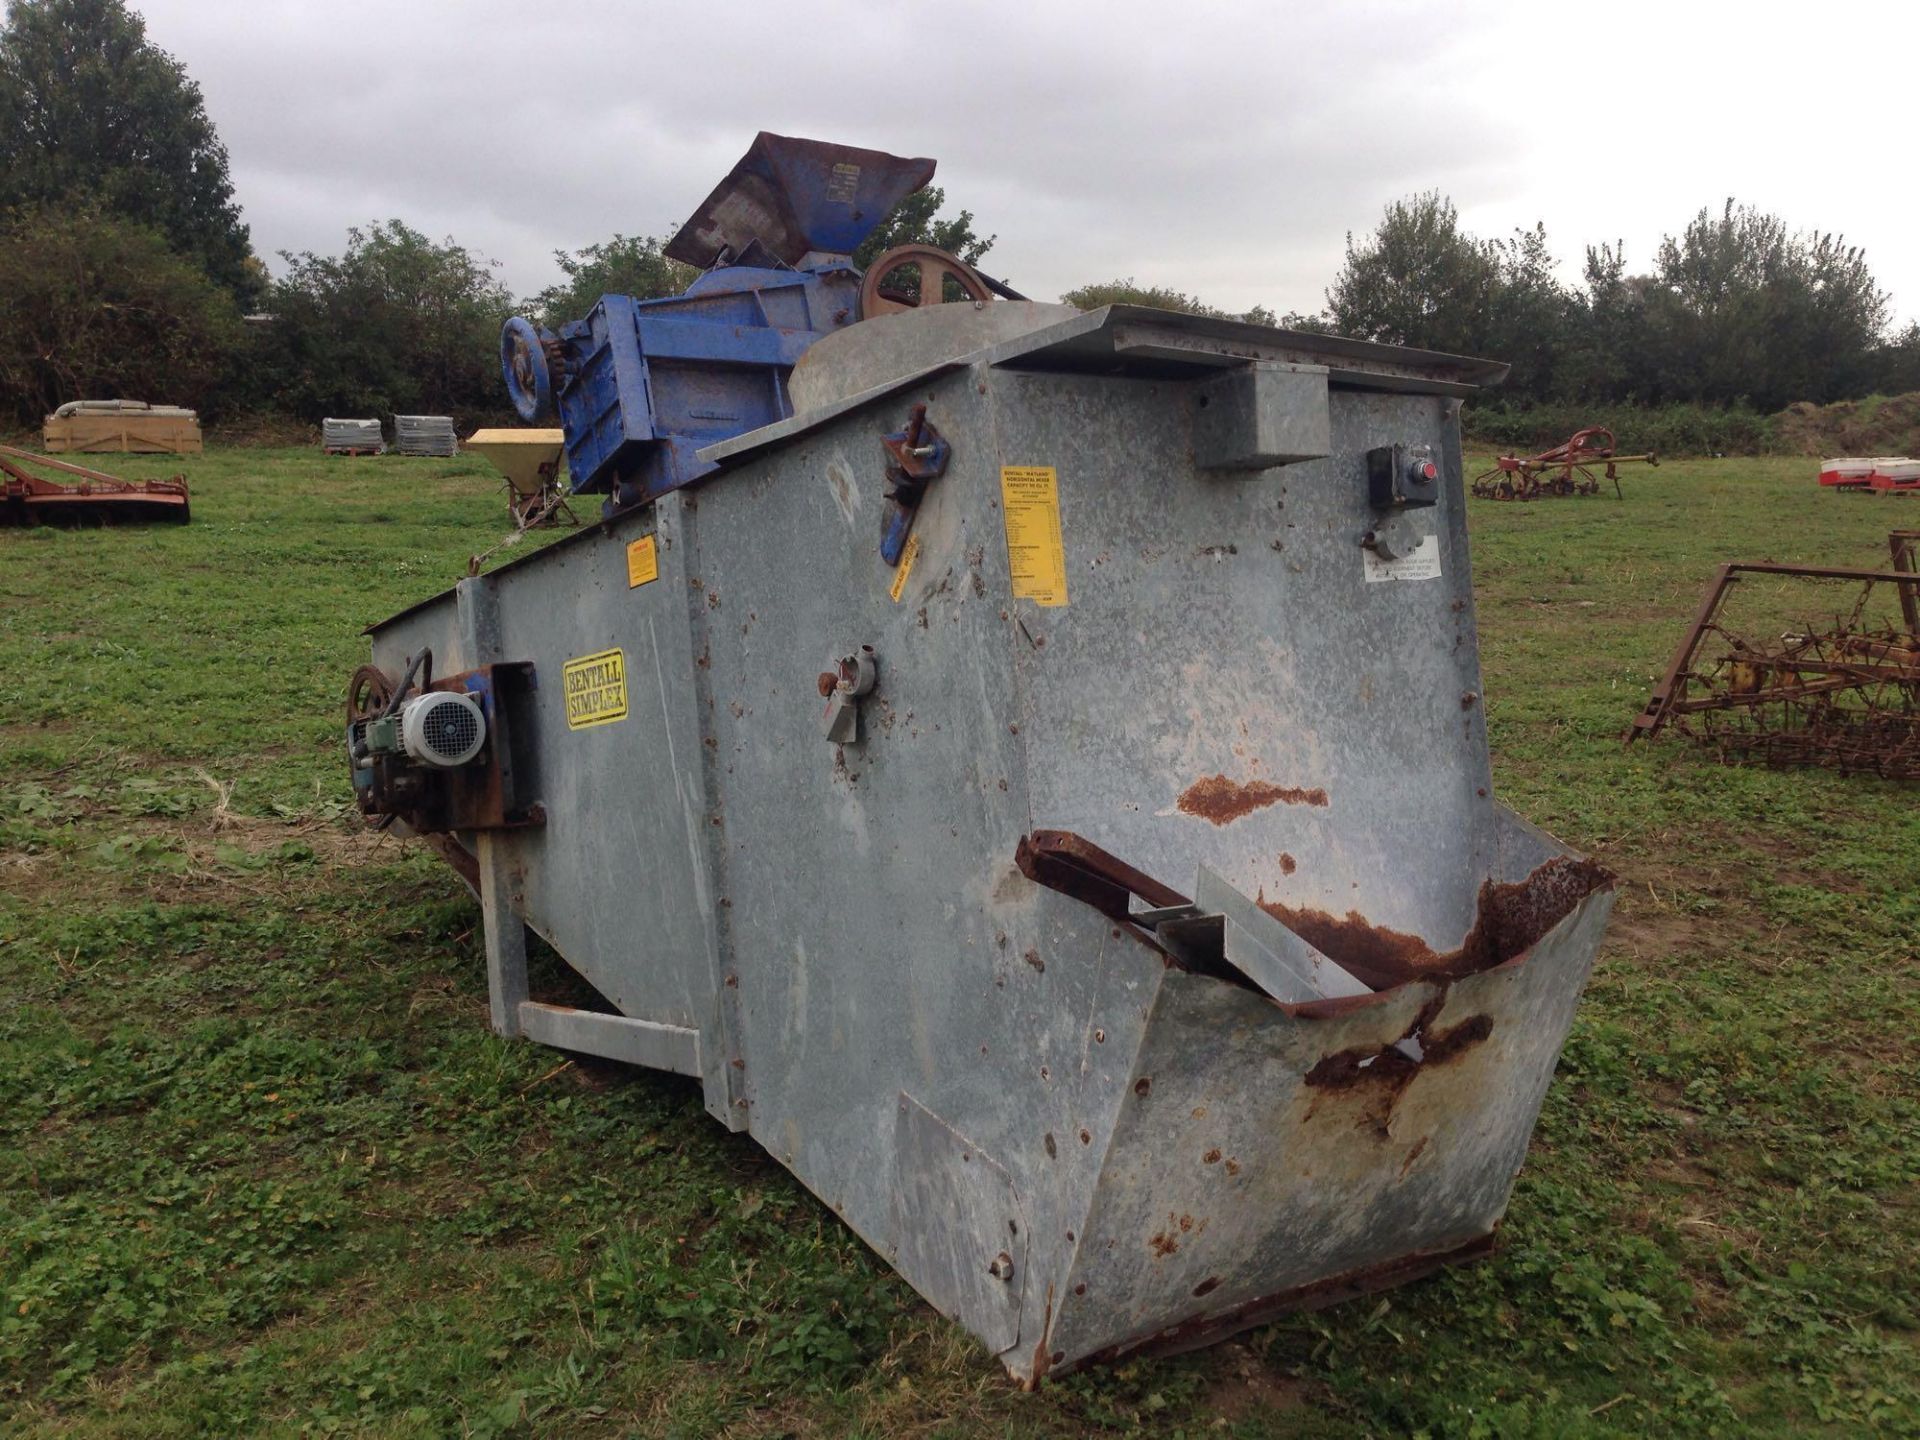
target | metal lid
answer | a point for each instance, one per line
(796, 197)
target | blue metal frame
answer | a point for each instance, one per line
(649, 382)
(642, 385)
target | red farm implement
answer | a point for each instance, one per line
(1567, 469)
(1755, 679)
(97, 498)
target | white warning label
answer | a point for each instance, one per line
(1422, 564)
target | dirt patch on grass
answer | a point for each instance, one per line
(1246, 1390)
(231, 860)
(1651, 932)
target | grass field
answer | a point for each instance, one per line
(264, 1170)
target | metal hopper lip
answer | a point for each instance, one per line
(1510, 918)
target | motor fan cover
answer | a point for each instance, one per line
(442, 728)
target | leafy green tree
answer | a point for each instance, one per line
(1529, 313)
(398, 323)
(95, 307)
(1606, 350)
(635, 265)
(1896, 365)
(915, 221)
(1741, 307)
(1419, 280)
(94, 113)
(1159, 297)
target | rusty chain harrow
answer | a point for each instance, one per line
(1844, 693)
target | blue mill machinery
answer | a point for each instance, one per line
(1027, 765)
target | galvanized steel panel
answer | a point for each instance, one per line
(1058, 1134)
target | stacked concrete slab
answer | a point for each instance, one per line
(424, 435)
(352, 437)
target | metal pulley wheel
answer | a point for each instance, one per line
(523, 365)
(933, 266)
(368, 693)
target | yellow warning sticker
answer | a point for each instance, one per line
(904, 568)
(595, 687)
(643, 562)
(1036, 554)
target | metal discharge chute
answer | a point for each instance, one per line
(1039, 787)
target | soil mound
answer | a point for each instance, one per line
(1877, 425)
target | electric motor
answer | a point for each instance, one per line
(443, 728)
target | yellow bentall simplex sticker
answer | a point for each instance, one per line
(905, 568)
(1036, 555)
(596, 689)
(643, 562)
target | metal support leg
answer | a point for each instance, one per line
(506, 936)
(506, 931)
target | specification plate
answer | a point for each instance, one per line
(1036, 554)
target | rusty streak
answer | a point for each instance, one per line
(1220, 801)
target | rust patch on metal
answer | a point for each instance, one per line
(1163, 1245)
(1212, 1157)
(1391, 1067)
(1207, 1286)
(1380, 1074)
(1509, 921)
(1042, 1362)
(1064, 861)
(1220, 801)
(1287, 863)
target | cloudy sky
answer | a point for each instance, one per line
(1222, 149)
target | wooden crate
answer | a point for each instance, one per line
(127, 432)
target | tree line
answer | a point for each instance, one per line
(1736, 309)
(127, 270)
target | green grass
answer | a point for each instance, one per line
(264, 1170)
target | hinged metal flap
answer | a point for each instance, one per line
(1223, 924)
(794, 196)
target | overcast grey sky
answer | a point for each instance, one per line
(1222, 149)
